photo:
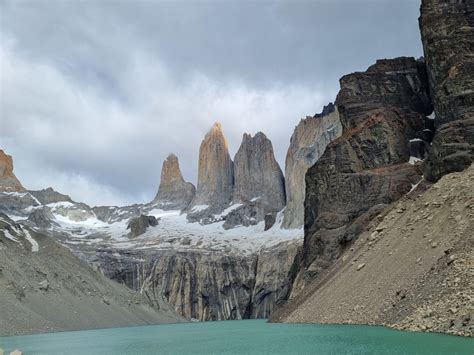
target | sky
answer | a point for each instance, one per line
(95, 94)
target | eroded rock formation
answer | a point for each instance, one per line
(205, 285)
(174, 192)
(215, 175)
(307, 144)
(257, 173)
(367, 167)
(447, 31)
(8, 180)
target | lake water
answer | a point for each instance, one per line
(239, 337)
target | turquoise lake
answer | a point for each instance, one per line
(239, 337)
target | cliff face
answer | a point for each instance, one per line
(447, 31)
(215, 174)
(8, 180)
(410, 269)
(173, 193)
(257, 173)
(307, 144)
(205, 285)
(381, 110)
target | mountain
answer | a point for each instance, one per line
(173, 192)
(45, 288)
(367, 258)
(307, 144)
(8, 180)
(215, 177)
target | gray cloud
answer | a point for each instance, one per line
(94, 95)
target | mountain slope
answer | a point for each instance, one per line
(411, 269)
(45, 288)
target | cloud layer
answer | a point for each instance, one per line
(94, 96)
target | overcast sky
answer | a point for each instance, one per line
(95, 94)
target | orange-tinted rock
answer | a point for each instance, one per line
(174, 192)
(8, 180)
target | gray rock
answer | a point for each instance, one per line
(257, 174)
(43, 285)
(174, 192)
(447, 31)
(139, 225)
(50, 196)
(307, 144)
(215, 176)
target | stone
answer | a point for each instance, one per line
(367, 167)
(139, 225)
(257, 174)
(8, 180)
(173, 192)
(307, 144)
(215, 175)
(48, 195)
(43, 285)
(447, 31)
(360, 266)
(434, 244)
(270, 219)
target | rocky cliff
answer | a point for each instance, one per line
(381, 110)
(257, 173)
(447, 31)
(215, 176)
(307, 144)
(173, 192)
(8, 180)
(204, 285)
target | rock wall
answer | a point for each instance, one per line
(381, 110)
(205, 285)
(8, 180)
(215, 175)
(173, 192)
(257, 174)
(447, 31)
(307, 144)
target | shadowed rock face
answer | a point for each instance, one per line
(307, 144)
(366, 168)
(8, 180)
(174, 192)
(216, 171)
(257, 173)
(139, 225)
(205, 285)
(50, 196)
(447, 31)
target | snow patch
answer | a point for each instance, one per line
(413, 160)
(199, 208)
(34, 243)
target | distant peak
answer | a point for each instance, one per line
(172, 156)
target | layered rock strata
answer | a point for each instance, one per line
(307, 144)
(173, 192)
(381, 110)
(447, 31)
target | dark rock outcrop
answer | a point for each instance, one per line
(139, 225)
(215, 176)
(8, 180)
(307, 144)
(367, 167)
(48, 195)
(257, 173)
(174, 192)
(205, 285)
(447, 31)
